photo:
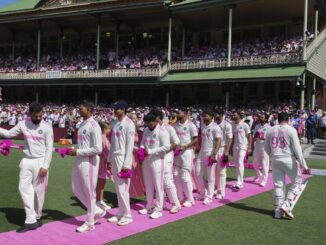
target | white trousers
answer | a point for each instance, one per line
(121, 187)
(238, 158)
(182, 175)
(84, 180)
(201, 167)
(169, 185)
(281, 168)
(153, 172)
(261, 159)
(32, 188)
(220, 174)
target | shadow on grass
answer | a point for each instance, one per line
(244, 206)
(14, 216)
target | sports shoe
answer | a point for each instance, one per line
(236, 187)
(28, 227)
(207, 201)
(278, 214)
(219, 196)
(114, 219)
(125, 221)
(188, 204)
(85, 227)
(156, 215)
(256, 179)
(175, 209)
(263, 183)
(286, 211)
(103, 205)
(145, 211)
(99, 213)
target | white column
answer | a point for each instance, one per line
(230, 36)
(38, 46)
(61, 43)
(167, 99)
(13, 48)
(305, 20)
(303, 85)
(169, 42)
(98, 43)
(183, 42)
(227, 100)
(313, 97)
(117, 43)
(316, 23)
(96, 98)
(36, 97)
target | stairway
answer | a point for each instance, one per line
(317, 151)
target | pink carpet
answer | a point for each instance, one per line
(63, 232)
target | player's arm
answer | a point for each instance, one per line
(229, 137)
(130, 142)
(249, 137)
(12, 132)
(296, 148)
(267, 146)
(194, 138)
(175, 139)
(48, 153)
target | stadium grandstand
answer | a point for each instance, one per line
(171, 52)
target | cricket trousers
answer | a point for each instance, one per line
(169, 185)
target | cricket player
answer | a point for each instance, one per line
(156, 143)
(260, 157)
(283, 146)
(85, 168)
(120, 158)
(210, 144)
(34, 167)
(169, 185)
(224, 151)
(183, 163)
(241, 145)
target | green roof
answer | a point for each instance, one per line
(17, 5)
(272, 72)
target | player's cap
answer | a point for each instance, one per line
(120, 104)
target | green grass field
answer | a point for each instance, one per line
(248, 221)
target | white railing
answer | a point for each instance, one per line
(289, 58)
(316, 43)
(112, 73)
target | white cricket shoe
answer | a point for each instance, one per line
(156, 215)
(114, 219)
(256, 179)
(286, 210)
(103, 205)
(85, 227)
(207, 201)
(188, 204)
(99, 213)
(145, 211)
(175, 209)
(125, 221)
(263, 183)
(219, 196)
